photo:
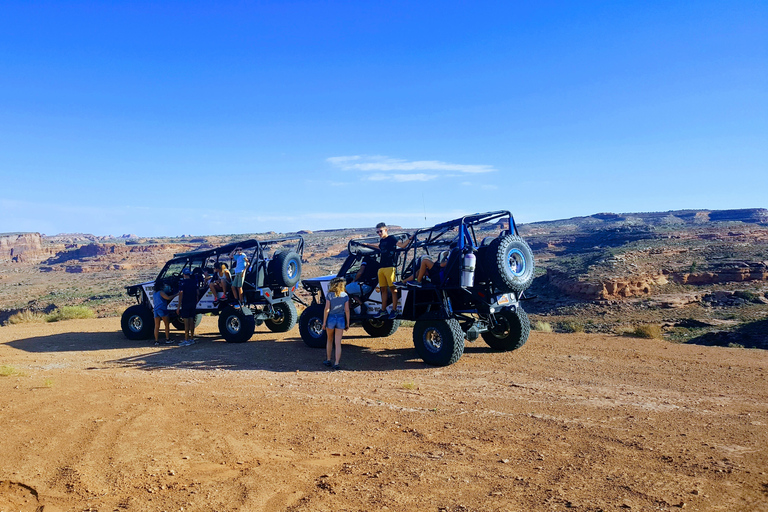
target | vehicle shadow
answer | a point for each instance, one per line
(212, 353)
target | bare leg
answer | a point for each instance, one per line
(167, 321)
(426, 264)
(384, 297)
(157, 329)
(339, 333)
(394, 298)
(329, 344)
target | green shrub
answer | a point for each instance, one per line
(650, 331)
(25, 317)
(70, 313)
(10, 371)
(570, 326)
(541, 326)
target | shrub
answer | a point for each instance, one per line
(70, 313)
(9, 371)
(650, 331)
(570, 326)
(541, 326)
(25, 317)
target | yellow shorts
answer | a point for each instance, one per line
(386, 277)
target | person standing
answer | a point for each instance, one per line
(335, 319)
(187, 305)
(388, 247)
(238, 275)
(160, 300)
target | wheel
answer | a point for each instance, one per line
(311, 326)
(511, 332)
(438, 342)
(380, 328)
(235, 325)
(510, 263)
(286, 268)
(138, 322)
(178, 323)
(284, 319)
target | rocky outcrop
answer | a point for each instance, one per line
(734, 272)
(23, 248)
(608, 288)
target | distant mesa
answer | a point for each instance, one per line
(129, 236)
(304, 232)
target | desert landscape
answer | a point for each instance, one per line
(642, 387)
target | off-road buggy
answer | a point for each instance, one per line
(268, 289)
(474, 291)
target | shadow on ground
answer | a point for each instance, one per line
(748, 335)
(359, 353)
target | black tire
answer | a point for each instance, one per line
(236, 326)
(284, 319)
(438, 342)
(310, 326)
(380, 328)
(286, 268)
(178, 323)
(511, 332)
(138, 322)
(509, 263)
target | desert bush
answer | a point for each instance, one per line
(650, 331)
(735, 345)
(409, 385)
(10, 371)
(746, 295)
(570, 326)
(70, 313)
(541, 326)
(25, 317)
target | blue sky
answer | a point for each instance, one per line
(169, 118)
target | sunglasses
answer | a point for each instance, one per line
(378, 231)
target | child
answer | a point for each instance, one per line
(186, 305)
(335, 319)
(219, 282)
(161, 300)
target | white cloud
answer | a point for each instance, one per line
(402, 177)
(386, 164)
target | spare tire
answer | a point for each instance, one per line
(509, 262)
(286, 268)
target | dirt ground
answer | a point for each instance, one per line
(91, 421)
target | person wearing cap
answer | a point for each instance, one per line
(187, 305)
(240, 264)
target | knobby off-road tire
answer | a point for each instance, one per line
(236, 326)
(509, 262)
(286, 268)
(178, 323)
(138, 322)
(380, 328)
(511, 332)
(284, 319)
(438, 342)
(311, 326)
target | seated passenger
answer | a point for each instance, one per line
(219, 282)
(363, 282)
(426, 265)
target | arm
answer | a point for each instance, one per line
(346, 313)
(360, 272)
(403, 243)
(178, 304)
(167, 297)
(325, 312)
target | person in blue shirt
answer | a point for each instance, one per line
(187, 305)
(160, 300)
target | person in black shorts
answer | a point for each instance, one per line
(187, 305)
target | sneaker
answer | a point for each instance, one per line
(236, 306)
(187, 343)
(168, 341)
(381, 314)
(392, 315)
(327, 362)
(414, 284)
(336, 367)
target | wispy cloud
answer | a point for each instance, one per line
(402, 177)
(383, 164)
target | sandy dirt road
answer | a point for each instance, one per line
(91, 421)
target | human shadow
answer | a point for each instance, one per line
(210, 352)
(747, 335)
